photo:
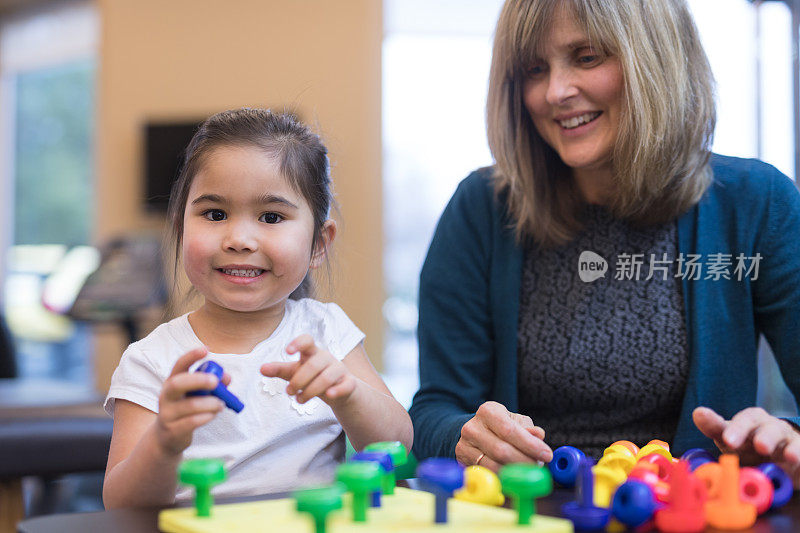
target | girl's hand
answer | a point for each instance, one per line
(179, 415)
(754, 435)
(495, 437)
(317, 373)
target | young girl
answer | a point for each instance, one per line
(250, 217)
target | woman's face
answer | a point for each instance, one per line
(574, 96)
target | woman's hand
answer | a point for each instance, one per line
(179, 415)
(495, 437)
(754, 435)
(317, 373)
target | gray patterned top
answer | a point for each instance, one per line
(603, 360)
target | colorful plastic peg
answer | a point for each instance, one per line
(399, 456)
(606, 481)
(756, 488)
(653, 448)
(384, 460)
(661, 461)
(618, 460)
(319, 503)
(202, 474)
(729, 511)
(361, 478)
(634, 503)
(634, 449)
(523, 483)
(442, 476)
(781, 484)
(583, 513)
(481, 485)
(685, 511)
(220, 391)
(711, 475)
(564, 466)
(648, 473)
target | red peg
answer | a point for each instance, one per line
(685, 511)
(756, 488)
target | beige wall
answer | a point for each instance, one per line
(190, 58)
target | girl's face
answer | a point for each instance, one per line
(247, 234)
(574, 95)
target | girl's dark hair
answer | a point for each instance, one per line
(301, 156)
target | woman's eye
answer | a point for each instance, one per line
(215, 215)
(271, 218)
(588, 59)
(535, 70)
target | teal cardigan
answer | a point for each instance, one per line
(469, 300)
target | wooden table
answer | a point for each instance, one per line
(785, 520)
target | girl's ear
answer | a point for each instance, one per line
(327, 234)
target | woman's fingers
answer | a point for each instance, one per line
(501, 437)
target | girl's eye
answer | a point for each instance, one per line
(270, 218)
(215, 215)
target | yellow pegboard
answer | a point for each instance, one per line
(406, 510)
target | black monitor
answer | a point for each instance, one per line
(164, 144)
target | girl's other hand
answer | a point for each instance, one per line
(495, 437)
(179, 415)
(754, 435)
(317, 373)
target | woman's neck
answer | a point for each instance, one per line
(595, 185)
(222, 330)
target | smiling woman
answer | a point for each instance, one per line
(600, 117)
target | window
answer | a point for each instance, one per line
(47, 73)
(436, 56)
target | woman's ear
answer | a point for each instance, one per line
(327, 234)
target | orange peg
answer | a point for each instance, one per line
(628, 444)
(729, 511)
(711, 474)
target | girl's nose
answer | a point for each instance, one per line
(561, 86)
(240, 237)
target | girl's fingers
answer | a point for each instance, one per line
(226, 379)
(185, 361)
(190, 406)
(280, 370)
(329, 377)
(305, 374)
(303, 344)
(176, 387)
(791, 453)
(188, 424)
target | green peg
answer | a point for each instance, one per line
(202, 474)
(399, 456)
(319, 503)
(361, 478)
(523, 483)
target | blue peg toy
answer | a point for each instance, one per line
(384, 460)
(221, 391)
(564, 466)
(634, 503)
(441, 476)
(583, 512)
(781, 482)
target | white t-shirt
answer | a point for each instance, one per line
(274, 444)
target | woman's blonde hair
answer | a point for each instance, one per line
(661, 154)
